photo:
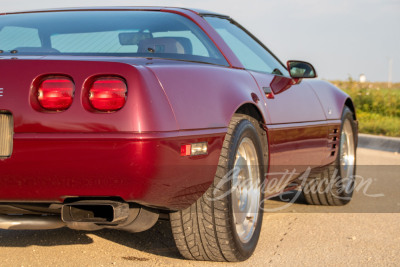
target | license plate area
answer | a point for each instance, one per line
(6, 135)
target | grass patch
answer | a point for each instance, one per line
(377, 106)
(372, 123)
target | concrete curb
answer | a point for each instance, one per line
(391, 144)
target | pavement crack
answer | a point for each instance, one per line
(288, 230)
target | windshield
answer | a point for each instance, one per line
(107, 33)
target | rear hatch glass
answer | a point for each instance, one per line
(150, 34)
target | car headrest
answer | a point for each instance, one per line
(186, 43)
(173, 45)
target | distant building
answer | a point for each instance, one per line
(363, 78)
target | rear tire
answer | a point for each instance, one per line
(225, 223)
(333, 185)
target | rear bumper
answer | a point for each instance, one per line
(141, 168)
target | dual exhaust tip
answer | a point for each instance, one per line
(92, 211)
(87, 215)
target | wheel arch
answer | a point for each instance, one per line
(254, 112)
(349, 103)
(251, 110)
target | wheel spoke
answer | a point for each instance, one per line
(347, 155)
(246, 193)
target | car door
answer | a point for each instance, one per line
(297, 130)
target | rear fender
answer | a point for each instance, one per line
(207, 96)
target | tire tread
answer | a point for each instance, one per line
(206, 234)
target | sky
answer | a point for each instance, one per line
(341, 38)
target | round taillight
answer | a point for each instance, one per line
(108, 94)
(56, 93)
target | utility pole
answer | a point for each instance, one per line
(390, 72)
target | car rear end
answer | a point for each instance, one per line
(89, 134)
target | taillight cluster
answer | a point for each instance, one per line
(107, 94)
(103, 94)
(56, 93)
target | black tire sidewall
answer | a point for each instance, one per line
(244, 129)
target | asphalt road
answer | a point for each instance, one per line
(365, 232)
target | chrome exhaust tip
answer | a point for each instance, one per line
(87, 215)
(95, 211)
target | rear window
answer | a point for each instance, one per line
(107, 33)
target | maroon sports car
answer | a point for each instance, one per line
(118, 117)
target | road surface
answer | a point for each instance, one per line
(365, 232)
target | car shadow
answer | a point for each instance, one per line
(158, 240)
(293, 196)
(44, 238)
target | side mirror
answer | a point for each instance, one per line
(301, 69)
